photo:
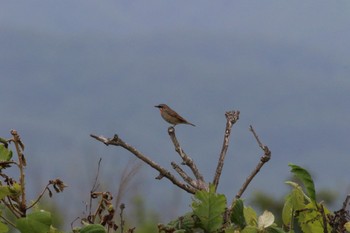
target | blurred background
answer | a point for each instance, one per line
(72, 68)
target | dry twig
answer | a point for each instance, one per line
(186, 159)
(231, 118)
(116, 141)
(22, 163)
(265, 158)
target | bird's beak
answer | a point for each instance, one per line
(157, 106)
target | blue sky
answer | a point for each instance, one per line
(71, 68)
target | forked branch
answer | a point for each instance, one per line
(185, 158)
(116, 141)
(264, 159)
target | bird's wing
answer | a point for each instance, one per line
(176, 115)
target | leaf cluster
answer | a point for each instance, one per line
(210, 210)
(300, 211)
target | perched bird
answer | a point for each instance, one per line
(171, 116)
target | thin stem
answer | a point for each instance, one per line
(12, 208)
(39, 197)
(122, 222)
(21, 161)
(8, 221)
(264, 159)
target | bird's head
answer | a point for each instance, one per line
(161, 106)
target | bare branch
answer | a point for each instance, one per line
(265, 158)
(346, 202)
(340, 217)
(39, 197)
(186, 159)
(251, 129)
(231, 118)
(95, 185)
(184, 175)
(22, 163)
(116, 141)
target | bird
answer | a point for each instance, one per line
(171, 116)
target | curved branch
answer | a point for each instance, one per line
(186, 159)
(116, 141)
(264, 159)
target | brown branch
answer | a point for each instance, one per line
(116, 141)
(186, 159)
(346, 202)
(58, 186)
(231, 118)
(340, 217)
(21, 161)
(251, 129)
(13, 209)
(39, 197)
(8, 221)
(184, 175)
(265, 158)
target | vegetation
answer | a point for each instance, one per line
(212, 212)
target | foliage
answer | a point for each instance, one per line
(211, 212)
(36, 222)
(300, 208)
(208, 208)
(13, 192)
(93, 228)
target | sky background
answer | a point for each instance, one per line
(72, 68)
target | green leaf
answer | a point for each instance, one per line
(15, 189)
(250, 229)
(3, 228)
(4, 191)
(209, 208)
(310, 219)
(347, 226)
(54, 230)
(93, 228)
(305, 177)
(5, 154)
(250, 216)
(287, 211)
(3, 141)
(36, 222)
(298, 187)
(230, 230)
(237, 216)
(186, 222)
(294, 201)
